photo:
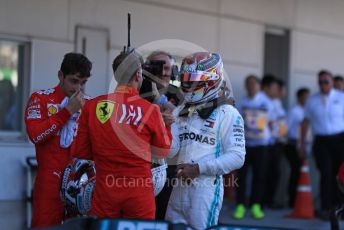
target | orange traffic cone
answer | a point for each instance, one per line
(303, 207)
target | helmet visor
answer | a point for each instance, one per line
(197, 76)
(191, 86)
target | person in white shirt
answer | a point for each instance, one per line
(278, 149)
(271, 89)
(279, 127)
(256, 109)
(295, 116)
(324, 112)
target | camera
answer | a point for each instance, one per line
(152, 70)
(154, 67)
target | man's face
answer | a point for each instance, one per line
(325, 83)
(281, 92)
(167, 68)
(338, 84)
(252, 86)
(303, 99)
(272, 90)
(140, 79)
(72, 83)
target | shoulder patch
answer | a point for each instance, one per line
(34, 101)
(46, 91)
(239, 120)
(33, 109)
(104, 110)
(33, 114)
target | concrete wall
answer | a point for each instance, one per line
(235, 28)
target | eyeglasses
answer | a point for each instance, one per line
(324, 82)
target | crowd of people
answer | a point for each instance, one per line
(195, 129)
(272, 132)
(196, 126)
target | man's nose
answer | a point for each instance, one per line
(163, 72)
(77, 87)
(82, 88)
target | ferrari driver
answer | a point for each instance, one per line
(50, 119)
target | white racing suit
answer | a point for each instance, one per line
(217, 145)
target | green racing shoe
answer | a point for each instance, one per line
(239, 212)
(257, 212)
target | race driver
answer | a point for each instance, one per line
(50, 119)
(208, 137)
(120, 131)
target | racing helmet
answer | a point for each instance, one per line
(201, 77)
(78, 182)
(77, 187)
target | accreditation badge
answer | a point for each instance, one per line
(283, 128)
(255, 123)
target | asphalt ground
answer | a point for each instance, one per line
(275, 219)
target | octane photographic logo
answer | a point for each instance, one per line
(133, 116)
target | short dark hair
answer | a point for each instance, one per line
(125, 65)
(280, 83)
(74, 63)
(300, 92)
(268, 80)
(338, 78)
(158, 53)
(252, 76)
(324, 72)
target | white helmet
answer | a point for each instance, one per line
(78, 182)
(77, 187)
(201, 77)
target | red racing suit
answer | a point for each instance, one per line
(120, 131)
(44, 120)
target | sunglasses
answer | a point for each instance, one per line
(324, 82)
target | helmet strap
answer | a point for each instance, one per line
(206, 109)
